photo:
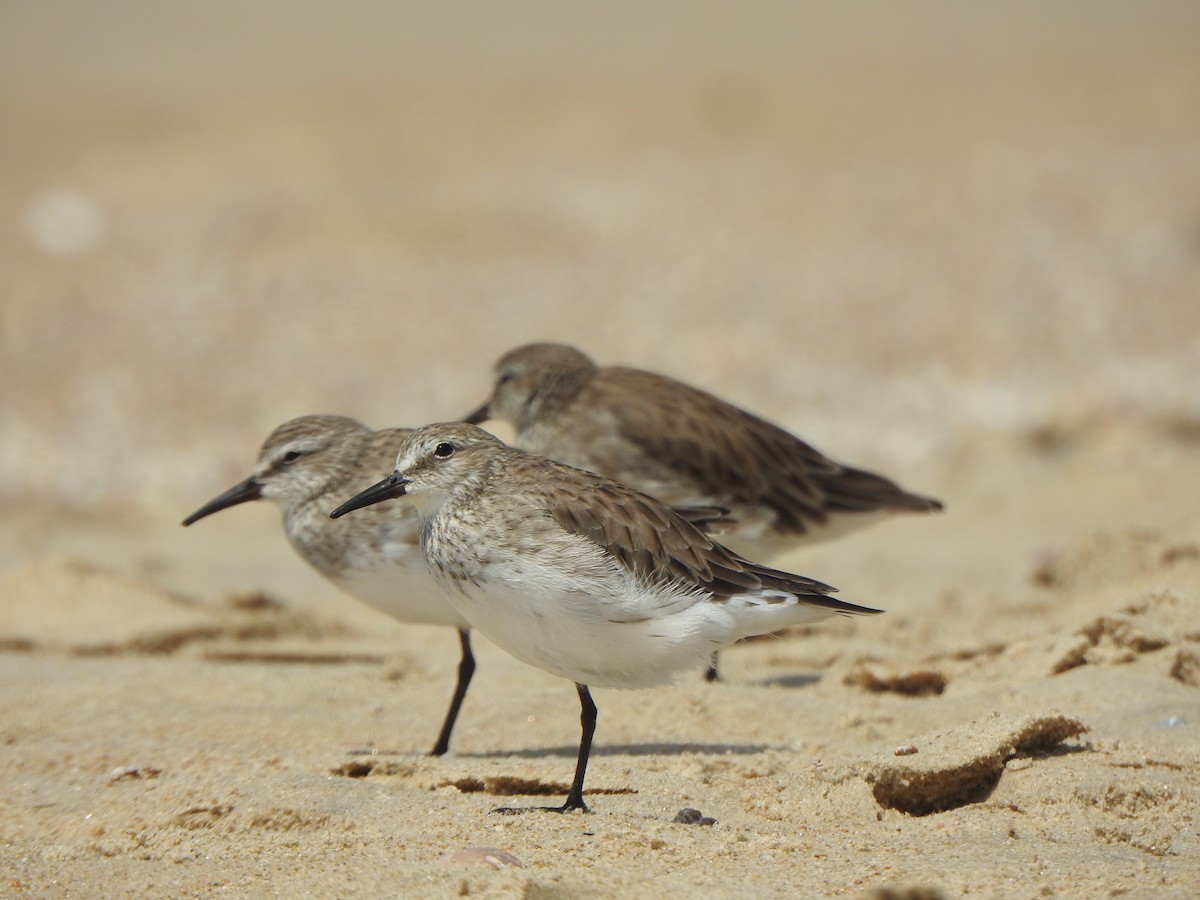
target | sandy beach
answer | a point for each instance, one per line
(954, 245)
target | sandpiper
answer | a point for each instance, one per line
(306, 466)
(578, 574)
(687, 448)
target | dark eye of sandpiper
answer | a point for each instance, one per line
(443, 450)
(292, 455)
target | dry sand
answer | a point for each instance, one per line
(959, 246)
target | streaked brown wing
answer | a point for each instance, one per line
(724, 451)
(732, 456)
(709, 519)
(651, 540)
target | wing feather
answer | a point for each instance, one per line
(652, 541)
(728, 456)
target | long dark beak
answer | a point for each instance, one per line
(248, 490)
(480, 415)
(392, 486)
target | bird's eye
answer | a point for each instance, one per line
(292, 455)
(443, 450)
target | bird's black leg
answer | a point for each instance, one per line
(466, 668)
(587, 722)
(711, 674)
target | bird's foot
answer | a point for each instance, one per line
(570, 806)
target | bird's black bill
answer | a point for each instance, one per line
(392, 486)
(248, 490)
(480, 415)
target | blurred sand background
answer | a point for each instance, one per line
(956, 244)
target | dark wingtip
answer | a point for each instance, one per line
(844, 607)
(855, 610)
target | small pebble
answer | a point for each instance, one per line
(691, 816)
(905, 750)
(481, 856)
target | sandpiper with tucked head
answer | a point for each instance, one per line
(577, 574)
(306, 466)
(687, 448)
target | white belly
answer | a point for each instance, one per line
(615, 634)
(566, 634)
(407, 593)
